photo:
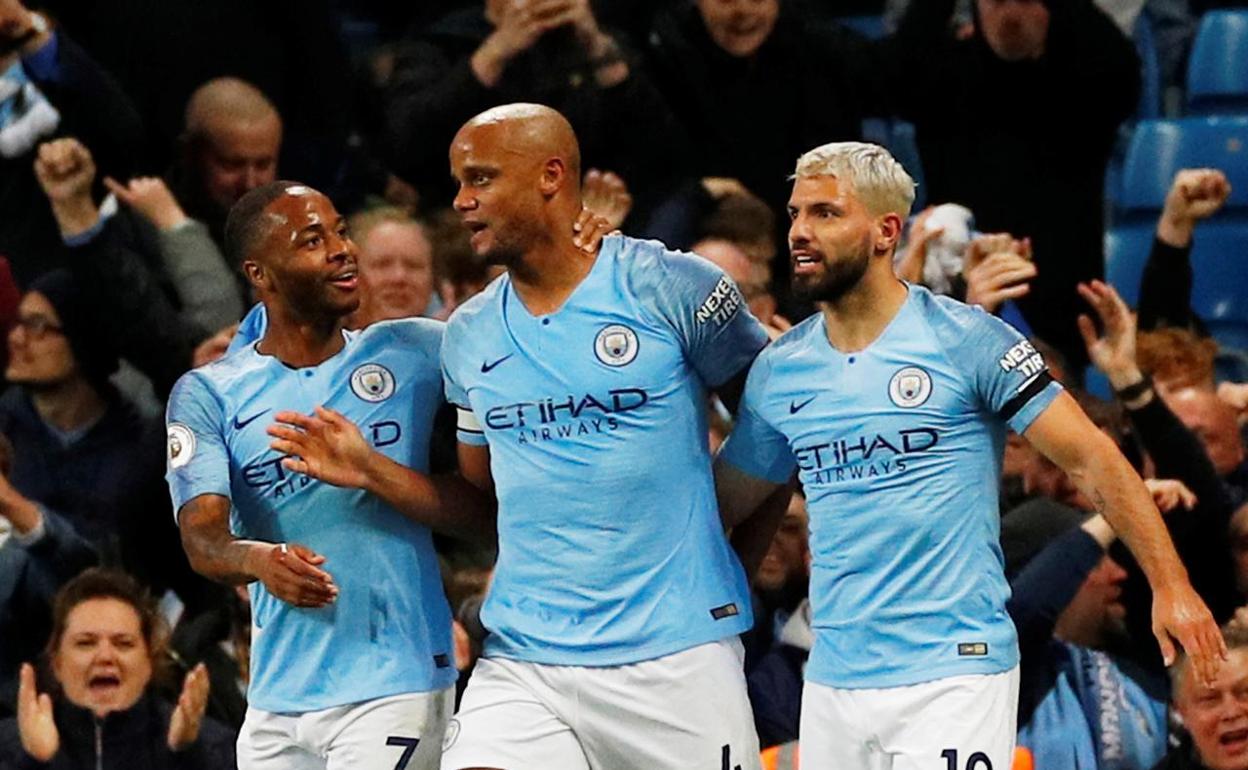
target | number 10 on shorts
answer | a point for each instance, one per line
(977, 761)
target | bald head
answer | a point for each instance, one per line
(227, 99)
(1213, 421)
(532, 131)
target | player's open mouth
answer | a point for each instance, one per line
(1234, 741)
(347, 280)
(805, 261)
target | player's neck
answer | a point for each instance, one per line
(859, 316)
(69, 405)
(548, 273)
(301, 342)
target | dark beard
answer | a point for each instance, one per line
(837, 280)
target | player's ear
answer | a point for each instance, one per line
(887, 232)
(554, 176)
(257, 276)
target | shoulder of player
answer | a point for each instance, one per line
(650, 262)
(478, 308)
(791, 343)
(406, 333)
(221, 375)
(954, 324)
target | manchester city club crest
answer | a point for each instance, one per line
(372, 382)
(910, 387)
(616, 345)
(181, 445)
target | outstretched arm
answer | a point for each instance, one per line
(329, 447)
(1065, 435)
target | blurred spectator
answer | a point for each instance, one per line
(1214, 716)
(396, 267)
(104, 654)
(1215, 423)
(779, 644)
(80, 451)
(1084, 701)
(220, 640)
(1166, 286)
(229, 146)
(552, 52)
(39, 551)
(49, 87)
(137, 317)
(1239, 547)
(993, 116)
(755, 84)
(1176, 358)
(461, 273)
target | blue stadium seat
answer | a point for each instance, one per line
(1159, 148)
(1145, 41)
(870, 27)
(1219, 272)
(1126, 252)
(1217, 71)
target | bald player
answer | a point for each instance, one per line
(351, 658)
(581, 384)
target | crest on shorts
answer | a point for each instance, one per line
(181, 445)
(616, 345)
(910, 387)
(372, 382)
(452, 734)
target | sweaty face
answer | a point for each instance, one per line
(396, 268)
(308, 261)
(238, 157)
(739, 27)
(1217, 715)
(1015, 29)
(498, 200)
(830, 238)
(39, 353)
(103, 663)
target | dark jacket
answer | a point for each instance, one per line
(1182, 757)
(109, 486)
(750, 118)
(626, 128)
(29, 578)
(1023, 144)
(135, 739)
(93, 109)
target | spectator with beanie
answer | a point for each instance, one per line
(80, 450)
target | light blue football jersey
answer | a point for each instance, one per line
(389, 631)
(610, 544)
(898, 447)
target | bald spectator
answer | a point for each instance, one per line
(1216, 424)
(395, 261)
(229, 145)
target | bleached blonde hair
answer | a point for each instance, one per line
(875, 176)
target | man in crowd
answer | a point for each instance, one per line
(1214, 714)
(894, 400)
(993, 109)
(396, 266)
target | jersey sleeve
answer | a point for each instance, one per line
(1010, 375)
(755, 446)
(719, 334)
(198, 461)
(468, 428)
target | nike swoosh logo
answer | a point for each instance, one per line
(795, 407)
(240, 424)
(486, 367)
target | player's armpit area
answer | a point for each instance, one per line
(731, 391)
(752, 508)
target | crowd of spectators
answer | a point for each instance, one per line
(128, 130)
